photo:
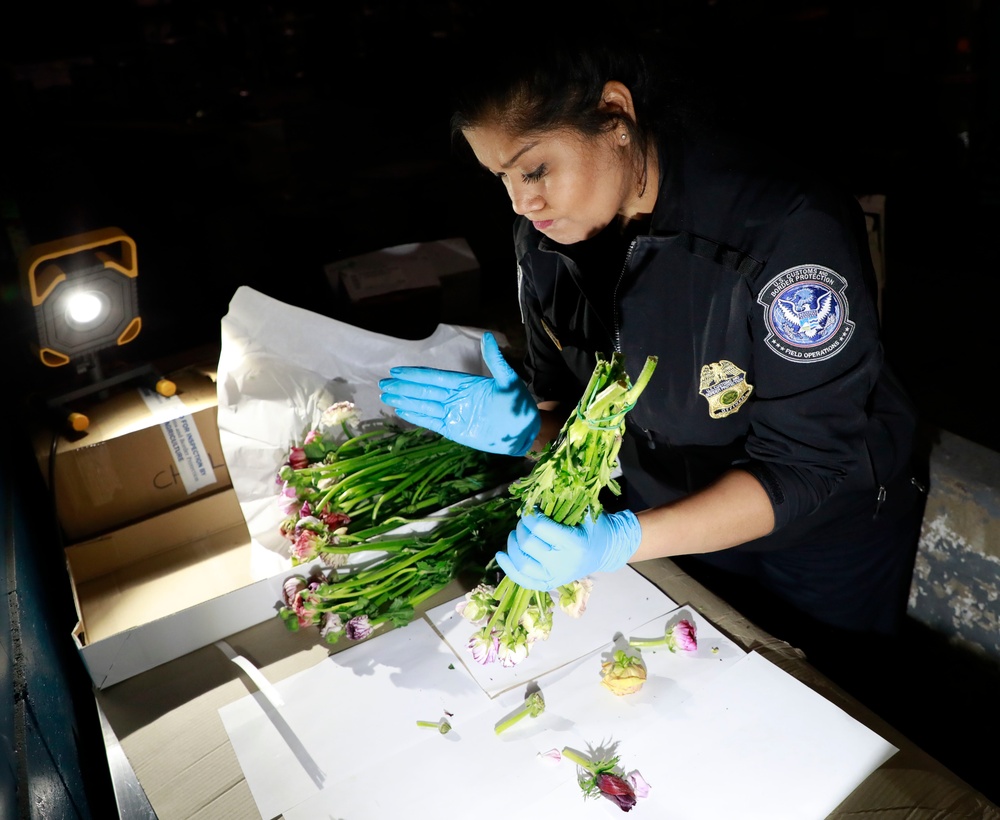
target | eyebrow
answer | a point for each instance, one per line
(517, 156)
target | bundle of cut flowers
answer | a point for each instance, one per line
(565, 484)
(343, 486)
(412, 498)
(353, 603)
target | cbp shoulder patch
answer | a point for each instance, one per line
(807, 314)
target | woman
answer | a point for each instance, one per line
(772, 443)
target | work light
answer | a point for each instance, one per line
(83, 292)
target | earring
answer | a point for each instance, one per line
(624, 137)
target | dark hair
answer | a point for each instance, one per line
(556, 82)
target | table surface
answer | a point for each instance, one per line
(164, 728)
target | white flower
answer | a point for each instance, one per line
(339, 413)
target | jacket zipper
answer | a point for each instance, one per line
(614, 298)
(618, 330)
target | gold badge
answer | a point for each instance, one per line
(725, 387)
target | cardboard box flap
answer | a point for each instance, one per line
(122, 655)
(136, 543)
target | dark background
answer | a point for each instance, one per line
(241, 142)
(249, 143)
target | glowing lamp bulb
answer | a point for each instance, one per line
(84, 308)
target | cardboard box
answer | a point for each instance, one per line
(444, 272)
(159, 588)
(141, 454)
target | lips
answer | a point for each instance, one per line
(541, 226)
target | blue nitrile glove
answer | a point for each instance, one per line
(542, 554)
(495, 415)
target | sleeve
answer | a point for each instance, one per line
(817, 357)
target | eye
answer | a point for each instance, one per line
(537, 174)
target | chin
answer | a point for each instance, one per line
(570, 237)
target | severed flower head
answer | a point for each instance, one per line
(573, 597)
(605, 778)
(616, 789)
(682, 635)
(624, 674)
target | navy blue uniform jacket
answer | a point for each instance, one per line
(755, 289)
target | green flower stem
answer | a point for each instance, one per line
(506, 724)
(519, 603)
(579, 760)
(505, 590)
(441, 725)
(533, 705)
(648, 641)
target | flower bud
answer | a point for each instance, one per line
(682, 636)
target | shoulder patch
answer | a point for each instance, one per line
(807, 313)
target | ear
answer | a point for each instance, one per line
(617, 98)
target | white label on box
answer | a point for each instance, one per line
(193, 463)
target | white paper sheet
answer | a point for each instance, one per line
(280, 367)
(620, 602)
(716, 734)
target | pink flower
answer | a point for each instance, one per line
(682, 636)
(288, 501)
(303, 608)
(605, 778)
(339, 413)
(484, 646)
(638, 784)
(331, 627)
(513, 646)
(358, 628)
(616, 789)
(312, 436)
(573, 597)
(335, 520)
(478, 604)
(292, 587)
(537, 623)
(297, 459)
(306, 546)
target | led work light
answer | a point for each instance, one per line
(83, 292)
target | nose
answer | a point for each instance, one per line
(524, 200)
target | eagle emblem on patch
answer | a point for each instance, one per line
(725, 387)
(807, 313)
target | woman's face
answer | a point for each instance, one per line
(569, 187)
